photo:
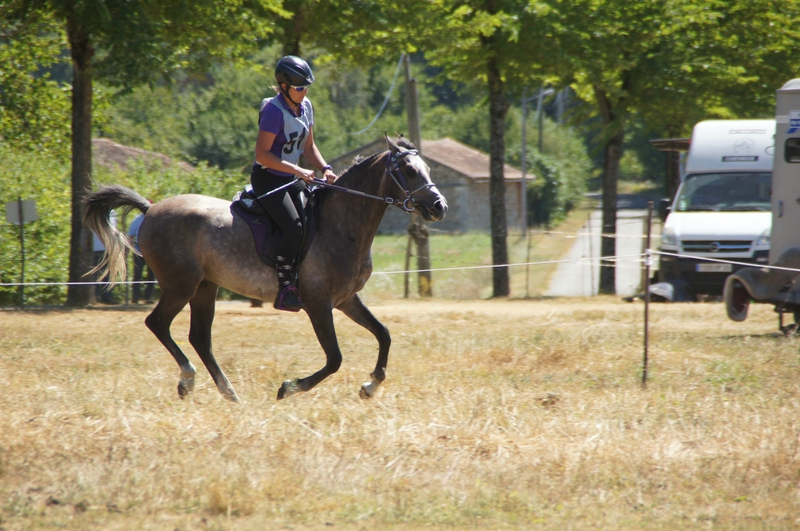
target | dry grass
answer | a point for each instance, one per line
(495, 415)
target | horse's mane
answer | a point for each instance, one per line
(357, 167)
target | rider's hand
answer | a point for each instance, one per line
(329, 176)
(306, 175)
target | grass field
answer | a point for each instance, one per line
(472, 249)
(515, 414)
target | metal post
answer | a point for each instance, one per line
(407, 276)
(528, 266)
(523, 156)
(591, 254)
(128, 269)
(524, 152)
(539, 112)
(647, 261)
(22, 249)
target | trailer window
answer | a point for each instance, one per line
(720, 192)
(791, 152)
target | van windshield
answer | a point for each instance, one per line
(723, 192)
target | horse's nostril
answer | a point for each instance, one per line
(438, 210)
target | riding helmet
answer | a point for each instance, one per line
(293, 71)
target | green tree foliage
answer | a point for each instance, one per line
(215, 119)
(34, 109)
(46, 180)
(128, 43)
(493, 41)
(553, 194)
(609, 48)
(662, 64)
(671, 63)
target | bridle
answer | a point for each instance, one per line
(392, 170)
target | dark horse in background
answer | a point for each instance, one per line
(195, 245)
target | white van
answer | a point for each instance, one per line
(722, 208)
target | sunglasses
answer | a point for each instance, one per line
(301, 88)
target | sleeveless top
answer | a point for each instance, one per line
(291, 138)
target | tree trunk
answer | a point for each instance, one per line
(497, 184)
(81, 255)
(612, 154)
(293, 27)
(418, 231)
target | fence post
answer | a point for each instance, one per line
(647, 261)
(22, 250)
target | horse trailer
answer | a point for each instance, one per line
(777, 285)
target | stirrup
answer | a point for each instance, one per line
(288, 299)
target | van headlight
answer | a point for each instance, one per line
(764, 238)
(668, 237)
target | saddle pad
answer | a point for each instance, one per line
(266, 235)
(262, 228)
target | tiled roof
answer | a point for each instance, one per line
(111, 155)
(448, 152)
(464, 159)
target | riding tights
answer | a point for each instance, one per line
(285, 208)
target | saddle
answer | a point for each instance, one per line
(266, 233)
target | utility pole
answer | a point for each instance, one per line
(524, 153)
(417, 229)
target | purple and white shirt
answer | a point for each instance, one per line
(290, 130)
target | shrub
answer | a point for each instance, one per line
(47, 240)
(46, 180)
(554, 192)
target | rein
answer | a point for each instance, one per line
(393, 170)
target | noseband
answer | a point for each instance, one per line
(393, 171)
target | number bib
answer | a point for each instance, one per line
(295, 129)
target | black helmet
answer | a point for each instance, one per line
(293, 71)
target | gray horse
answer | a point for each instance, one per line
(194, 245)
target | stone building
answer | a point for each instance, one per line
(461, 173)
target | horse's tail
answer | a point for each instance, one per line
(97, 208)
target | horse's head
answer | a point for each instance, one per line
(412, 183)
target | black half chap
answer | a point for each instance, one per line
(284, 207)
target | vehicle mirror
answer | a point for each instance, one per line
(664, 207)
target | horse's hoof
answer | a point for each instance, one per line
(233, 398)
(367, 390)
(288, 388)
(186, 383)
(182, 390)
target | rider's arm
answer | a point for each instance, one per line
(268, 159)
(313, 156)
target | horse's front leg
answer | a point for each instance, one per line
(355, 309)
(322, 321)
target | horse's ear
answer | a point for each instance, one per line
(393, 147)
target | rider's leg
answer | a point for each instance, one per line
(283, 211)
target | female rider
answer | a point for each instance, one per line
(286, 130)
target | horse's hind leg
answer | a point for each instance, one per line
(354, 309)
(159, 322)
(203, 306)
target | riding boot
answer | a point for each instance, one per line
(288, 298)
